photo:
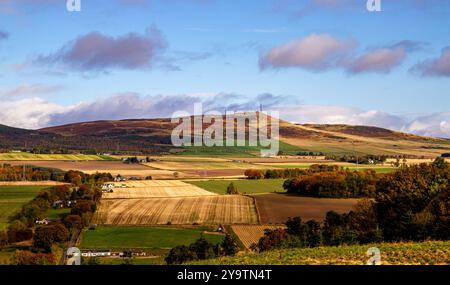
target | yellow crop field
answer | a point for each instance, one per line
(155, 189)
(33, 157)
(210, 210)
(250, 234)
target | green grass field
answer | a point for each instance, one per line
(117, 237)
(12, 198)
(425, 253)
(244, 186)
(19, 156)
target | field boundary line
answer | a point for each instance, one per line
(256, 209)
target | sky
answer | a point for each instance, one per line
(315, 61)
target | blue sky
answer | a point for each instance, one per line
(387, 68)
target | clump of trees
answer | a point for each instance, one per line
(232, 189)
(19, 173)
(289, 172)
(334, 184)
(202, 249)
(31, 173)
(413, 203)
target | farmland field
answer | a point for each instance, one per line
(424, 253)
(12, 198)
(178, 211)
(201, 165)
(20, 156)
(250, 234)
(124, 237)
(244, 186)
(155, 189)
(237, 151)
(276, 208)
(113, 167)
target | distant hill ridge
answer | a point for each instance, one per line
(154, 136)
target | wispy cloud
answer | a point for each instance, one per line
(439, 67)
(30, 89)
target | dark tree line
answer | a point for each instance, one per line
(289, 172)
(334, 184)
(201, 250)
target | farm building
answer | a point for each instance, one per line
(96, 252)
(108, 188)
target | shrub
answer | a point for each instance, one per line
(25, 257)
(232, 189)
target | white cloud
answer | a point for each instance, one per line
(30, 89)
(436, 125)
(30, 113)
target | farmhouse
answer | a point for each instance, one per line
(108, 188)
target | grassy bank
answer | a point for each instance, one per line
(425, 253)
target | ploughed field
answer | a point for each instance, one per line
(277, 208)
(154, 189)
(206, 210)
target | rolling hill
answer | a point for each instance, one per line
(154, 136)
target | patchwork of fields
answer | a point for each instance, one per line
(209, 210)
(12, 198)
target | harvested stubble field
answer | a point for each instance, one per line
(210, 210)
(250, 234)
(277, 208)
(422, 253)
(155, 189)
